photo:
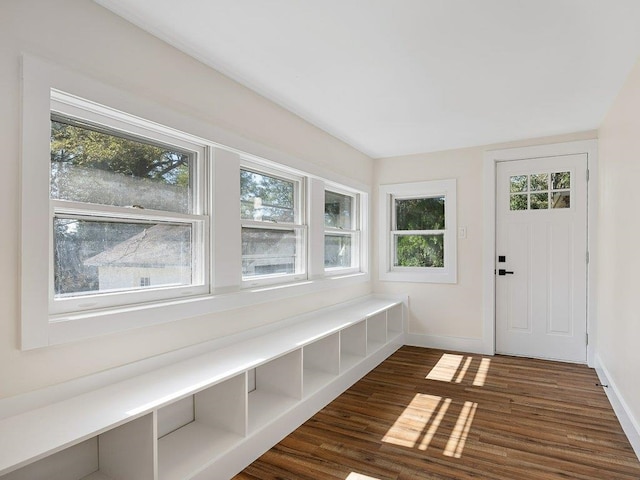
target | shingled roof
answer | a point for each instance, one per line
(156, 246)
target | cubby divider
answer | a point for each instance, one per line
(278, 388)
(376, 332)
(353, 345)
(321, 360)
(219, 423)
(126, 451)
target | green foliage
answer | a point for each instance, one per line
(420, 251)
(89, 148)
(276, 197)
(420, 213)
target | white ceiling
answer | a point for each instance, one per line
(394, 77)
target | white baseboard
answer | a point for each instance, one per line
(629, 424)
(458, 344)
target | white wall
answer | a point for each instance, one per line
(619, 245)
(450, 315)
(82, 36)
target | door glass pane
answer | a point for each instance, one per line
(539, 201)
(419, 250)
(518, 183)
(561, 199)
(539, 182)
(268, 251)
(266, 198)
(561, 180)
(97, 256)
(518, 202)
(337, 251)
(92, 166)
(338, 211)
(420, 213)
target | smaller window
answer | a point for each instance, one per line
(273, 235)
(418, 243)
(341, 233)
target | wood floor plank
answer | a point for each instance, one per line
(430, 414)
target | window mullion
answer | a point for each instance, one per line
(65, 207)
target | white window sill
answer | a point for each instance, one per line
(73, 327)
(419, 275)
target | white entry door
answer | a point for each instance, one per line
(541, 258)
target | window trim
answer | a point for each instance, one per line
(355, 232)
(38, 330)
(387, 196)
(121, 124)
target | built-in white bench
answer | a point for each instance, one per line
(209, 416)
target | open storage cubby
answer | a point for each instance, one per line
(207, 415)
(200, 428)
(321, 360)
(353, 345)
(395, 321)
(278, 388)
(122, 452)
(376, 332)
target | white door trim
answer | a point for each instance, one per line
(491, 158)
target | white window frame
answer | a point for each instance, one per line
(387, 196)
(298, 225)
(354, 232)
(119, 123)
(224, 154)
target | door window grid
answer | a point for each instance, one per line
(540, 191)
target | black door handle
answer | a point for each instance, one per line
(502, 271)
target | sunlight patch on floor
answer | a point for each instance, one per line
(460, 432)
(446, 368)
(481, 374)
(409, 427)
(451, 367)
(428, 436)
(359, 476)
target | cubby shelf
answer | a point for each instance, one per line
(200, 418)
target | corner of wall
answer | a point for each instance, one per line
(628, 422)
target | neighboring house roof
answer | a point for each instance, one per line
(156, 246)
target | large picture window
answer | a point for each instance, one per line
(418, 242)
(128, 221)
(273, 234)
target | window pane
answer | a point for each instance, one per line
(338, 210)
(265, 198)
(561, 180)
(337, 251)
(419, 250)
(561, 199)
(103, 168)
(268, 251)
(539, 182)
(518, 183)
(97, 256)
(539, 201)
(518, 202)
(420, 213)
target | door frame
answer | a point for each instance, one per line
(491, 158)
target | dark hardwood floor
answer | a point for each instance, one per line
(430, 414)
